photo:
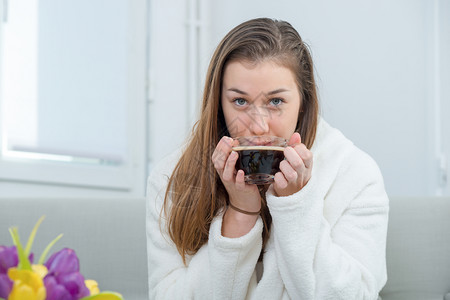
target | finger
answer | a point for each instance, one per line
(234, 142)
(240, 180)
(221, 153)
(228, 143)
(295, 139)
(280, 182)
(228, 171)
(219, 159)
(294, 159)
(225, 144)
(217, 150)
(289, 173)
(305, 154)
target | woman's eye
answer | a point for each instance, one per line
(240, 101)
(276, 101)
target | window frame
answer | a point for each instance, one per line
(129, 176)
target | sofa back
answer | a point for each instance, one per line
(108, 236)
(418, 249)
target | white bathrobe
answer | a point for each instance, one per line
(327, 241)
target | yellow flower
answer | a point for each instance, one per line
(41, 270)
(92, 285)
(28, 285)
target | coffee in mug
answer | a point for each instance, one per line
(259, 157)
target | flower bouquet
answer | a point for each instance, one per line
(58, 278)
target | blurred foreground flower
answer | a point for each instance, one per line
(57, 279)
(64, 280)
(8, 259)
(27, 284)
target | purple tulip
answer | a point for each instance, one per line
(64, 281)
(6, 285)
(62, 262)
(8, 259)
(55, 290)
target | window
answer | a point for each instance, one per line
(72, 101)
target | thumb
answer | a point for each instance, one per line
(295, 139)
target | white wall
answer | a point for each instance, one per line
(376, 69)
(383, 69)
(168, 107)
(177, 70)
(444, 63)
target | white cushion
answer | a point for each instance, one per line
(108, 236)
(418, 249)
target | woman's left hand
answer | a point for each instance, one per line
(295, 170)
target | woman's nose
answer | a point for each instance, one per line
(259, 121)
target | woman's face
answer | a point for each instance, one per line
(260, 99)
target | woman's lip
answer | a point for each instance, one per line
(263, 140)
(264, 144)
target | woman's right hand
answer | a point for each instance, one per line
(242, 195)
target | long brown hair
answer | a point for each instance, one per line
(195, 194)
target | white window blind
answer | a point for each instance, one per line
(73, 92)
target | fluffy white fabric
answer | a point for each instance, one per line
(327, 241)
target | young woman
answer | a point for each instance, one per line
(317, 232)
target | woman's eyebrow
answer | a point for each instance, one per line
(277, 91)
(237, 91)
(269, 93)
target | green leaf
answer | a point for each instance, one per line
(104, 296)
(32, 235)
(24, 263)
(47, 249)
